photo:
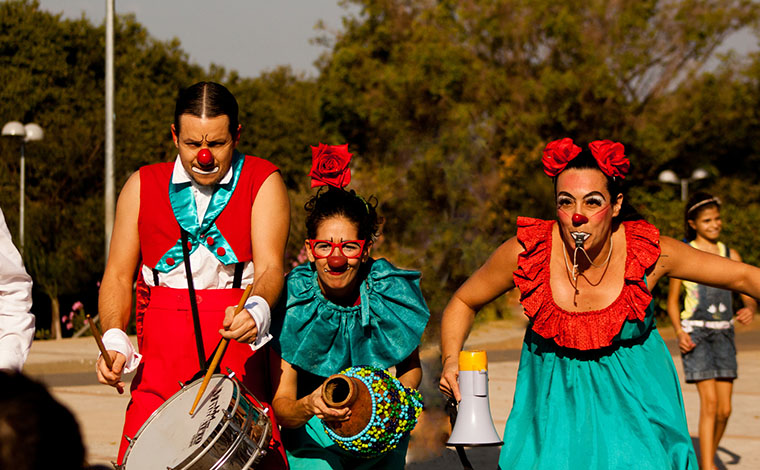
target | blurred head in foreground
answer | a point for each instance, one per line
(36, 431)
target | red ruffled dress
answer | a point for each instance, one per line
(596, 389)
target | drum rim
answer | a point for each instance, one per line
(210, 440)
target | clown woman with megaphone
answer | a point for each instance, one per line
(596, 387)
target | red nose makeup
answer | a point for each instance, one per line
(205, 158)
(579, 219)
(336, 262)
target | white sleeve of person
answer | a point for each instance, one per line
(116, 340)
(258, 307)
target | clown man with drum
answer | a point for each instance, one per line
(200, 228)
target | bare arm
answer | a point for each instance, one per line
(115, 299)
(487, 283)
(409, 371)
(679, 260)
(270, 224)
(685, 343)
(747, 314)
(292, 412)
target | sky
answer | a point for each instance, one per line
(250, 36)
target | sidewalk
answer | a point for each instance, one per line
(67, 366)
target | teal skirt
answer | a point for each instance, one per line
(616, 408)
(310, 448)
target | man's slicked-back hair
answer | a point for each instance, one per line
(207, 99)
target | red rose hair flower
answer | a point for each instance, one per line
(329, 166)
(558, 154)
(611, 157)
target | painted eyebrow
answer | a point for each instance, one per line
(595, 193)
(591, 194)
(191, 140)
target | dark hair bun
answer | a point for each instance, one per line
(335, 202)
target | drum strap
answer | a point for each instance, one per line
(193, 303)
(237, 281)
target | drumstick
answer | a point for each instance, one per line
(96, 334)
(219, 352)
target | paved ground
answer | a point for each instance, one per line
(67, 366)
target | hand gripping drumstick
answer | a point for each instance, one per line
(99, 340)
(219, 352)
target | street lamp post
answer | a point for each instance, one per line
(109, 197)
(26, 133)
(668, 176)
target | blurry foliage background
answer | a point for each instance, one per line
(445, 104)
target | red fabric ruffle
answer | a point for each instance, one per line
(582, 330)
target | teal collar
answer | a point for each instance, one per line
(186, 213)
(183, 202)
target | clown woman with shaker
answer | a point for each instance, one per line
(341, 309)
(596, 387)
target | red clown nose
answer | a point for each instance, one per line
(579, 219)
(205, 158)
(336, 262)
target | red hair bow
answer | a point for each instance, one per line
(558, 154)
(611, 157)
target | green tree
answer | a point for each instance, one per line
(451, 102)
(53, 70)
(53, 74)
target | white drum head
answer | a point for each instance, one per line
(171, 435)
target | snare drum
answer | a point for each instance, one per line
(229, 430)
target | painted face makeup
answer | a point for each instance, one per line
(337, 256)
(582, 200)
(205, 146)
(583, 209)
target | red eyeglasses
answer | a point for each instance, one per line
(349, 248)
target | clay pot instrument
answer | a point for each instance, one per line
(340, 391)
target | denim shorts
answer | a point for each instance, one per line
(713, 357)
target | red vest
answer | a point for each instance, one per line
(159, 230)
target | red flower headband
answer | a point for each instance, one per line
(329, 166)
(609, 155)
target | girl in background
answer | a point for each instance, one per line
(705, 327)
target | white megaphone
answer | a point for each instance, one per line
(474, 426)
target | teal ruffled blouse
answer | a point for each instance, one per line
(324, 338)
